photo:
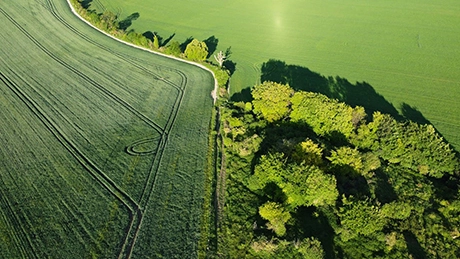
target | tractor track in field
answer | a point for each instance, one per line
(52, 9)
(17, 223)
(97, 174)
(98, 86)
(149, 187)
(137, 208)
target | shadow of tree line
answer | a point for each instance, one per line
(358, 94)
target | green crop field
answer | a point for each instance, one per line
(408, 51)
(103, 145)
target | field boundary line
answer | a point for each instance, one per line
(216, 85)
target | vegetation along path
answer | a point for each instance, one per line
(104, 145)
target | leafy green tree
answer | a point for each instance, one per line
(359, 217)
(271, 100)
(397, 210)
(291, 168)
(310, 248)
(196, 50)
(346, 158)
(156, 42)
(276, 215)
(173, 48)
(321, 189)
(411, 145)
(308, 152)
(303, 185)
(324, 115)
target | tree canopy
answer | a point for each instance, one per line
(311, 177)
(196, 50)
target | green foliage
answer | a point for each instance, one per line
(271, 100)
(346, 159)
(318, 149)
(358, 217)
(411, 145)
(302, 184)
(321, 189)
(156, 42)
(326, 116)
(173, 48)
(308, 248)
(397, 210)
(196, 50)
(308, 152)
(276, 215)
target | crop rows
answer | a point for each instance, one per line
(101, 126)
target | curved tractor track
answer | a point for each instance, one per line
(136, 207)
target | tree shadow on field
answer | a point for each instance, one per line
(167, 40)
(86, 3)
(162, 42)
(128, 21)
(302, 78)
(413, 114)
(243, 96)
(211, 43)
(229, 64)
(149, 35)
(184, 44)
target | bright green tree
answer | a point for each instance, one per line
(156, 42)
(303, 185)
(272, 100)
(359, 217)
(276, 215)
(196, 50)
(173, 49)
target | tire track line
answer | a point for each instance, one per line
(52, 8)
(135, 214)
(83, 76)
(17, 223)
(153, 175)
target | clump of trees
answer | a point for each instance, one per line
(311, 177)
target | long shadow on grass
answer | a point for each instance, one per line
(358, 94)
(302, 78)
(184, 44)
(211, 43)
(162, 42)
(128, 21)
(86, 3)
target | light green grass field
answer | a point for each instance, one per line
(408, 51)
(103, 145)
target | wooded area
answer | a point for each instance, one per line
(311, 177)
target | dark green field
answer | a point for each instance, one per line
(103, 145)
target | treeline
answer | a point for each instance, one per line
(191, 49)
(311, 177)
